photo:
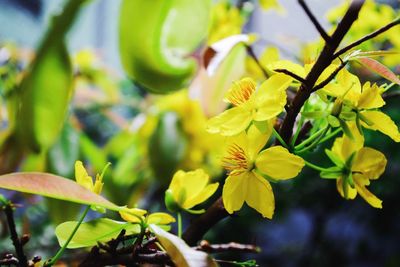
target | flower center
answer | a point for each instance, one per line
(236, 162)
(241, 91)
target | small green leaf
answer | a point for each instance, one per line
(333, 121)
(354, 55)
(54, 186)
(89, 233)
(334, 158)
(181, 254)
(348, 115)
(346, 129)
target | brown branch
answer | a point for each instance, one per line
(331, 77)
(23, 261)
(367, 37)
(291, 74)
(96, 258)
(232, 247)
(314, 21)
(203, 223)
(323, 61)
(251, 53)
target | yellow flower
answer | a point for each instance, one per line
(358, 165)
(247, 167)
(135, 215)
(250, 104)
(82, 178)
(269, 4)
(364, 102)
(188, 189)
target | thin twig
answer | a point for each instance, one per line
(291, 74)
(367, 37)
(331, 77)
(251, 53)
(23, 261)
(314, 21)
(232, 247)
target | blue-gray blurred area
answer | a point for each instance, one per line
(23, 22)
(313, 225)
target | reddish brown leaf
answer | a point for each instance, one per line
(53, 186)
(379, 69)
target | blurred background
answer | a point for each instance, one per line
(147, 138)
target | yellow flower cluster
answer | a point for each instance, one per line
(249, 125)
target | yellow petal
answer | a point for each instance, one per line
(383, 123)
(234, 192)
(230, 122)
(82, 177)
(370, 163)
(370, 97)
(160, 218)
(132, 215)
(241, 91)
(271, 97)
(344, 147)
(98, 187)
(260, 196)
(176, 185)
(207, 192)
(278, 163)
(351, 192)
(368, 196)
(257, 140)
(288, 65)
(191, 185)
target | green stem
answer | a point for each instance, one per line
(179, 225)
(315, 167)
(279, 138)
(61, 250)
(329, 136)
(296, 135)
(315, 142)
(311, 138)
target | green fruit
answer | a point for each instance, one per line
(158, 36)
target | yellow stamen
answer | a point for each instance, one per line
(241, 91)
(236, 161)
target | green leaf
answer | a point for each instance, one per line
(379, 69)
(334, 158)
(46, 91)
(333, 121)
(181, 254)
(348, 115)
(89, 233)
(354, 55)
(157, 38)
(346, 129)
(54, 186)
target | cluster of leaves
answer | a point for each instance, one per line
(185, 134)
